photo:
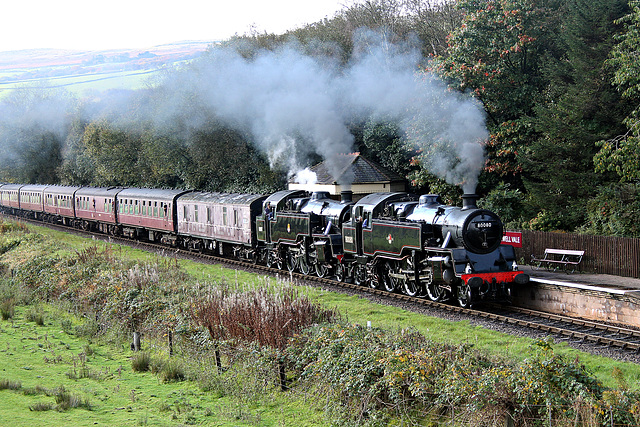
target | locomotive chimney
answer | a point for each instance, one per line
(469, 201)
(346, 196)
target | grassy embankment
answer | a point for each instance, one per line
(41, 357)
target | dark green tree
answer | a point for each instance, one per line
(578, 108)
(383, 143)
(112, 153)
(621, 154)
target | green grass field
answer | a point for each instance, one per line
(42, 358)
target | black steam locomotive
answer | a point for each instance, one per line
(392, 241)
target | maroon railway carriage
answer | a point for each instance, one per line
(219, 221)
(58, 203)
(96, 208)
(32, 200)
(148, 214)
(11, 197)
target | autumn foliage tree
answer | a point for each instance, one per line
(497, 55)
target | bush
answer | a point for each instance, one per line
(36, 316)
(172, 371)
(7, 308)
(66, 400)
(6, 384)
(141, 361)
(505, 202)
(615, 211)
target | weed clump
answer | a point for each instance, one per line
(6, 384)
(172, 371)
(141, 361)
(35, 315)
(7, 308)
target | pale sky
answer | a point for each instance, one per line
(106, 24)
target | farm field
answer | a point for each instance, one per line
(41, 351)
(82, 71)
(44, 360)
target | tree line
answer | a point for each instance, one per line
(558, 82)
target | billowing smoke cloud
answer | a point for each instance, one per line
(293, 104)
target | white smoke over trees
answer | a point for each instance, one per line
(293, 104)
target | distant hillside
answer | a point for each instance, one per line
(79, 70)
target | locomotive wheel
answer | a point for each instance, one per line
(464, 296)
(322, 269)
(435, 292)
(290, 260)
(340, 273)
(388, 283)
(360, 275)
(304, 265)
(411, 289)
(271, 259)
(280, 260)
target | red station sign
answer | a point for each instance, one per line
(512, 238)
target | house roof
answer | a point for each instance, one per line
(354, 169)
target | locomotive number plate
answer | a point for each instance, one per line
(484, 225)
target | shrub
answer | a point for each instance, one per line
(41, 406)
(66, 400)
(172, 371)
(7, 308)
(6, 384)
(614, 211)
(141, 361)
(36, 316)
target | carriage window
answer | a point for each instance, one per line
(224, 216)
(235, 217)
(184, 212)
(155, 209)
(208, 214)
(195, 213)
(137, 208)
(163, 210)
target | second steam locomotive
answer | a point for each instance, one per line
(394, 241)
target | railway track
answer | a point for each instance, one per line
(563, 327)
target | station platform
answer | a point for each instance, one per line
(595, 282)
(599, 297)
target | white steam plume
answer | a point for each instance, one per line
(293, 104)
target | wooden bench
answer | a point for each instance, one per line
(558, 258)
